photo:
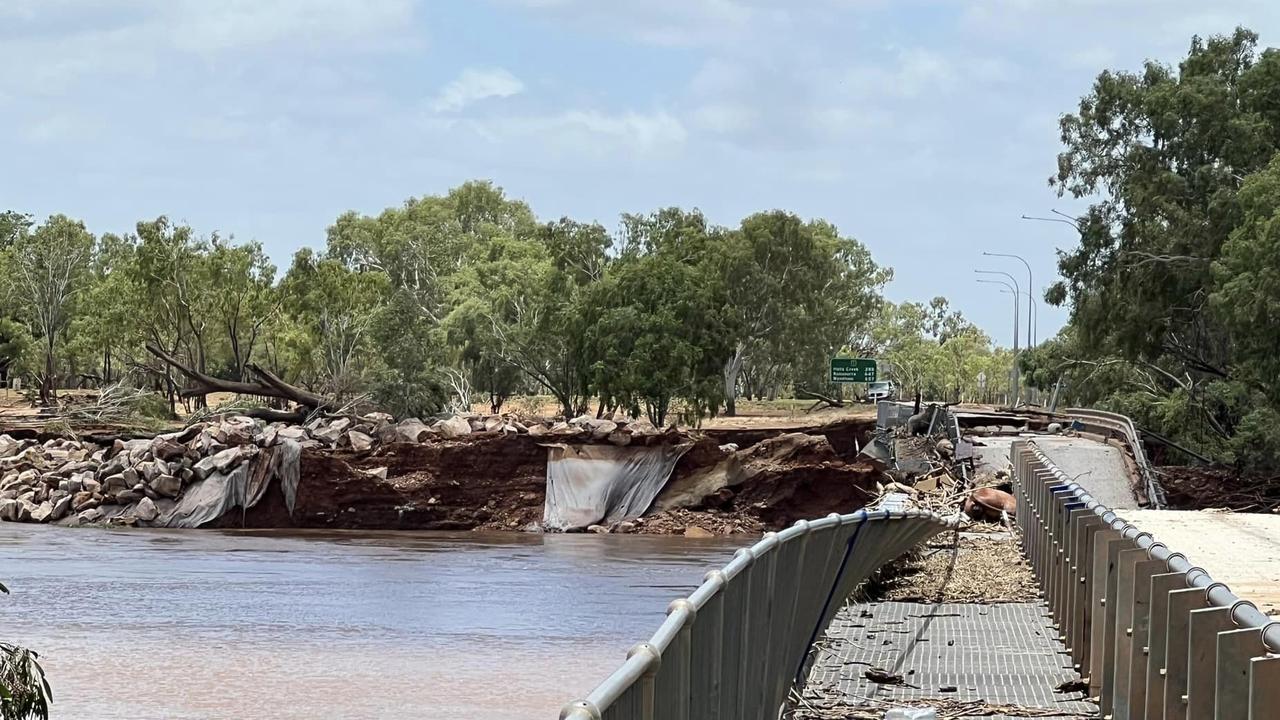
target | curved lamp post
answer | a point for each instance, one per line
(1013, 378)
(1030, 285)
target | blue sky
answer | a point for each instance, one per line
(923, 128)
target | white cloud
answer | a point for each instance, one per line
(46, 45)
(474, 85)
(590, 134)
(663, 22)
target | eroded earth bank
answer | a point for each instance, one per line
(459, 473)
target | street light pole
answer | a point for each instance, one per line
(1017, 296)
(1030, 287)
(1013, 393)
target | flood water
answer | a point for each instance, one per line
(211, 624)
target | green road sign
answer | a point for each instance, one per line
(853, 370)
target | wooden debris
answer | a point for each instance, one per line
(989, 570)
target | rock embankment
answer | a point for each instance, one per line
(138, 481)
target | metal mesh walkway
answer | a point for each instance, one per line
(1003, 654)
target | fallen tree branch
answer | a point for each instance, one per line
(809, 394)
(271, 386)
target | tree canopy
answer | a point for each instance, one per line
(443, 299)
(1171, 287)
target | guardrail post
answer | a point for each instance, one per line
(1158, 624)
(1106, 546)
(1134, 702)
(1231, 689)
(1177, 632)
(1081, 611)
(707, 675)
(1067, 591)
(1264, 688)
(1120, 607)
(1202, 658)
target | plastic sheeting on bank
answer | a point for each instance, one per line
(220, 493)
(602, 484)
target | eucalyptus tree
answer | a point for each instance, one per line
(46, 268)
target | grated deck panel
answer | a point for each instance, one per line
(1000, 653)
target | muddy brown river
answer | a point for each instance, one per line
(215, 624)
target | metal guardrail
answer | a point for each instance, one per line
(739, 643)
(1158, 638)
(1124, 425)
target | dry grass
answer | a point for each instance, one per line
(782, 413)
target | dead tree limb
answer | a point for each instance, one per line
(809, 394)
(271, 386)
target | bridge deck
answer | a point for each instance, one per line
(998, 655)
(1239, 549)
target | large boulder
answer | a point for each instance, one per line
(114, 466)
(600, 429)
(114, 484)
(146, 510)
(167, 486)
(83, 500)
(224, 460)
(135, 451)
(641, 427)
(454, 427)
(359, 441)
(239, 430)
(563, 429)
(9, 509)
(60, 508)
(329, 434)
(166, 449)
(411, 430)
(296, 433)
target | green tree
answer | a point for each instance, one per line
(1167, 154)
(656, 332)
(47, 267)
(24, 691)
(796, 292)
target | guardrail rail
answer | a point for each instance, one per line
(1123, 424)
(1158, 638)
(740, 642)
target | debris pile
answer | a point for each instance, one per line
(1198, 488)
(956, 569)
(926, 461)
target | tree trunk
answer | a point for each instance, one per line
(46, 388)
(732, 369)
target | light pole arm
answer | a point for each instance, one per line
(1030, 287)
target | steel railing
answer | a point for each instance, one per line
(1157, 638)
(740, 642)
(1123, 424)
